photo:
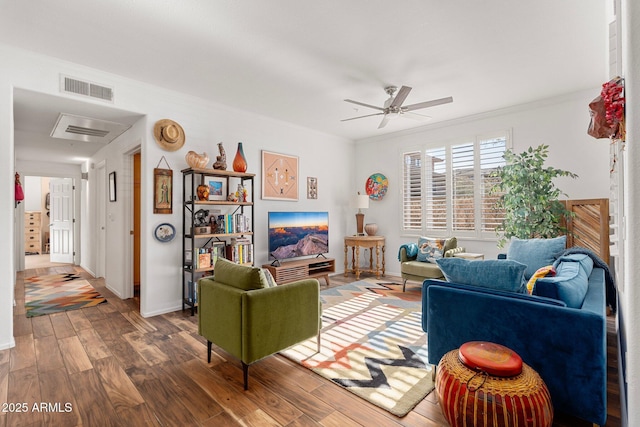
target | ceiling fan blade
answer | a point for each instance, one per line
(362, 117)
(415, 116)
(427, 104)
(384, 121)
(400, 97)
(364, 105)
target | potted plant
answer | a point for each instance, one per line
(529, 196)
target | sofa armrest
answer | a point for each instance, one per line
(404, 257)
(566, 346)
(279, 317)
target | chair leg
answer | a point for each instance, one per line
(245, 375)
(404, 284)
(318, 340)
(209, 345)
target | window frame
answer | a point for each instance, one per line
(477, 233)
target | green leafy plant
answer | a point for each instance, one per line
(529, 196)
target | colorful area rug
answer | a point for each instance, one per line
(58, 292)
(372, 345)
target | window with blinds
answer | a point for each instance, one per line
(412, 191)
(435, 193)
(491, 152)
(447, 190)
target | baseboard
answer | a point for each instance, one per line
(10, 344)
(177, 307)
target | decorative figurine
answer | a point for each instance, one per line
(200, 219)
(221, 160)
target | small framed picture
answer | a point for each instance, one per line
(217, 187)
(162, 191)
(112, 187)
(312, 187)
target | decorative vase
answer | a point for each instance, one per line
(371, 229)
(240, 162)
(197, 161)
(203, 192)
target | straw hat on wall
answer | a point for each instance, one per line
(168, 134)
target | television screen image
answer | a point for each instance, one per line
(298, 234)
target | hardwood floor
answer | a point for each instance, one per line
(108, 366)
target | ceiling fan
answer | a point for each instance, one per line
(393, 106)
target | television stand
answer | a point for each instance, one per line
(291, 271)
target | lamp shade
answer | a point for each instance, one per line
(362, 201)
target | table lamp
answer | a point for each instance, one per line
(361, 202)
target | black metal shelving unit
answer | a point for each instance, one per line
(191, 178)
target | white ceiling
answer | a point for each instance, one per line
(298, 60)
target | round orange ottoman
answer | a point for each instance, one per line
(487, 384)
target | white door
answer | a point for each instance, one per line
(61, 220)
(101, 237)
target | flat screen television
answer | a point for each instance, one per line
(298, 234)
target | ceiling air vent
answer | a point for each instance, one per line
(84, 88)
(80, 128)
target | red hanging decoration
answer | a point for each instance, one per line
(19, 194)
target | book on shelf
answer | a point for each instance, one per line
(192, 292)
(206, 257)
(233, 223)
(240, 250)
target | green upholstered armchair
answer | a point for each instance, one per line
(240, 312)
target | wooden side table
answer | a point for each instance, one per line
(368, 242)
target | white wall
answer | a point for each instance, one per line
(630, 297)
(326, 157)
(560, 122)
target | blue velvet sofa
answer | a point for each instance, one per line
(566, 346)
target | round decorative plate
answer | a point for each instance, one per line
(165, 232)
(376, 186)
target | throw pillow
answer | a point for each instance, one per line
(504, 275)
(535, 253)
(452, 252)
(569, 285)
(239, 276)
(541, 272)
(270, 282)
(429, 250)
(586, 262)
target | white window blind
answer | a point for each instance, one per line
(491, 152)
(412, 191)
(435, 193)
(463, 183)
(447, 188)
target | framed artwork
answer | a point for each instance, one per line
(112, 187)
(162, 191)
(217, 187)
(376, 186)
(312, 187)
(279, 176)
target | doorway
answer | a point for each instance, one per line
(137, 174)
(48, 222)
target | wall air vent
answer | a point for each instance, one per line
(78, 128)
(85, 88)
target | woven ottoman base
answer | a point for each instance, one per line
(474, 398)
